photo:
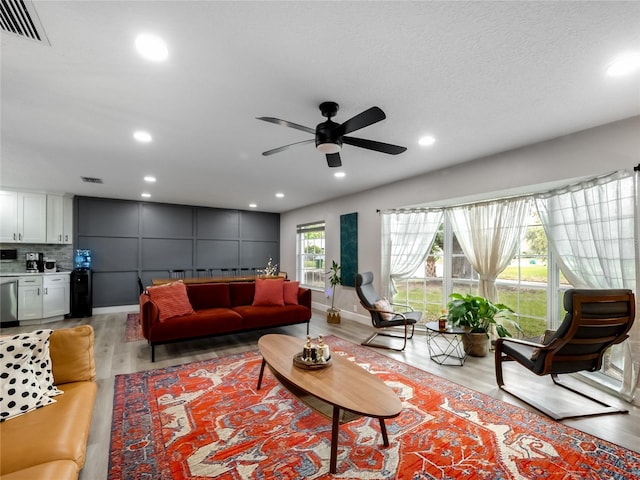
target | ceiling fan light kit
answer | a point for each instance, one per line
(330, 136)
(329, 147)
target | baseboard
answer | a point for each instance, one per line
(116, 309)
(321, 309)
(40, 321)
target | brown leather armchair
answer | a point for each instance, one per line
(368, 297)
(595, 320)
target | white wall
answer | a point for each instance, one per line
(600, 150)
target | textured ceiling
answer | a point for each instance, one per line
(482, 77)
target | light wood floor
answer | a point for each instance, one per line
(114, 357)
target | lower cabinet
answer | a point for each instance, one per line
(30, 297)
(43, 296)
(55, 299)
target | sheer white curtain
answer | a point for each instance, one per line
(407, 237)
(489, 234)
(591, 230)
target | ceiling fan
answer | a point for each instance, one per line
(329, 135)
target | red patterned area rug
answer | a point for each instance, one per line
(133, 329)
(207, 420)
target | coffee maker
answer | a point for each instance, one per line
(35, 262)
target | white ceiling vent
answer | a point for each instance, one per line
(91, 180)
(20, 18)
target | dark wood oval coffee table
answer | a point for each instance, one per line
(343, 391)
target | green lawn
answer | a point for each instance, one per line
(530, 273)
(531, 303)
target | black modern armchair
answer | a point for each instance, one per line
(383, 316)
(595, 320)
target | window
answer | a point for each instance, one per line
(593, 225)
(310, 252)
(525, 285)
(424, 289)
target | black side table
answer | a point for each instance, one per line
(445, 346)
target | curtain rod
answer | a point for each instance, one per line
(525, 195)
(436, 209)
(409, 210)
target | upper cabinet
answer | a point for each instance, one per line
(59, 219)
(23, 217)
(8, 217)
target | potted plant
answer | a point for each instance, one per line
(333, 314)
(478, 315)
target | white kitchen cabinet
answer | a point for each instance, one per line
(23, 217)
(30, 297)
(67, 220)
(54, 218)
(56, 295)
(8, 216)
(43, 296)
(59, 219)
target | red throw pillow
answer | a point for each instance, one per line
(269, 292)
(171, 300)
(290, 293)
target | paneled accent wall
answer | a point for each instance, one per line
(138, 239)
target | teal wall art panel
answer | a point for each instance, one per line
(349, 248)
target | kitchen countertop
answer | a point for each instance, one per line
(26, 274)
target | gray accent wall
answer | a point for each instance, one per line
(131, 239)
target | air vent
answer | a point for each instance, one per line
(91, 180)
(20, 18)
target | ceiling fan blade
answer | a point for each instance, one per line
(364, 119)
(285, 147)
(373, 145)
(285, 123)
(333, 160)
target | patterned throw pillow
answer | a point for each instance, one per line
(171, 300)
(20, 390)
(383, 304)
(41, 359)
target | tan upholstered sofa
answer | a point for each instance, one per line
(51, 442)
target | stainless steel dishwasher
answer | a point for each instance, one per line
(9, 302)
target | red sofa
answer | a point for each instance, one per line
(219, 308)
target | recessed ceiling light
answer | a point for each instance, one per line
(142, 136)
(624, 65)
(427, 140)
(280, 195)
(149, 179)
(252, 205)
(151, 47)
(145, 195)
(339, 174)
